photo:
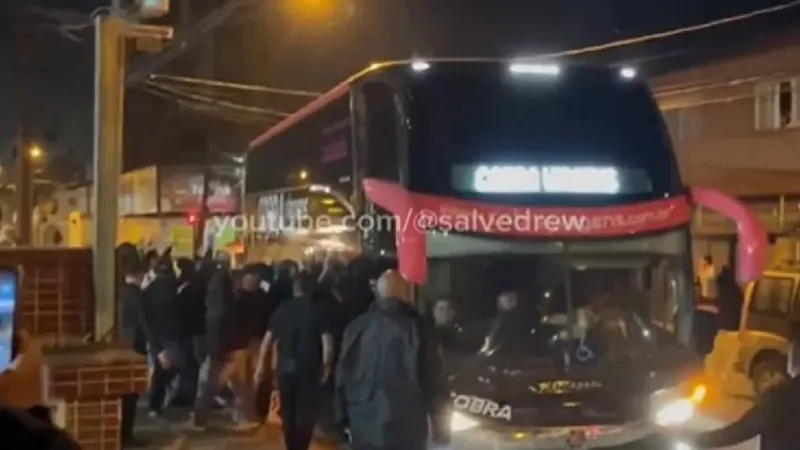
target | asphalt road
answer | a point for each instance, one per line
(173, 433)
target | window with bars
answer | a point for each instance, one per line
(778, 104)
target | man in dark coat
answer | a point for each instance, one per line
(136, 329)
(159, 288)
(389, 378)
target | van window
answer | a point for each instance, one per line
(773, 296)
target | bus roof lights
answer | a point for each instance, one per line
(420, 66)
(535, 69)
(628, 73)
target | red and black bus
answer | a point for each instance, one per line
(543, 204)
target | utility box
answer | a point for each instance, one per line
(153, 9)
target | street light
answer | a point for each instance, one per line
(312, 11)
(36, 152)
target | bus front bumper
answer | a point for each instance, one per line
(630, 437)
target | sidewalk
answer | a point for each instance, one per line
(172, 433)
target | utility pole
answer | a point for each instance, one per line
(111, 32)
(25, 142)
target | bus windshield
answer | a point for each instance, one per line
(464, 115)
(569, 308)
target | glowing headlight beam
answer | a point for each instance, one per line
(675, 413)
(461, 422)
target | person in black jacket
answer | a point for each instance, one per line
(305, 358)
(159, 289)
(136, 329)
(390, 376)
(190, 309)
(773, 418)
(227, 342)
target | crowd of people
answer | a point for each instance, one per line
(222, 339)
(338, 339)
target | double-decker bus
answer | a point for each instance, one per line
(543, 203)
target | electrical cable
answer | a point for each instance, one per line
(671, 33)
(141, 71)
(238, 86)
(211, 100)
(212, 110)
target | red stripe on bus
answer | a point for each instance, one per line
(316, 105)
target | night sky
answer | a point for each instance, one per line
(289, 53)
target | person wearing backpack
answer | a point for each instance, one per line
(389, 377)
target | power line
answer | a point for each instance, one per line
(213, 110)
(237, 86)
(671, 33)
(211, 100)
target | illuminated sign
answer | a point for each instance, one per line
(521, 179)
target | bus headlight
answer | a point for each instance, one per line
(674, 413)
(461, 422)
(671, 409)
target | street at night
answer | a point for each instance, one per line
(399, 225)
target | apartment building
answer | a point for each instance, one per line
(735, 125)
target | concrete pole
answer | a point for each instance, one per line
(25, 142)
(109, 85)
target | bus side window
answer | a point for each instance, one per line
(382, 137)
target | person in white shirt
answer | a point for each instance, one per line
(708, 279)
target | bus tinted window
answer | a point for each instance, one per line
(467, 115)
(316, 150)
(382, 157)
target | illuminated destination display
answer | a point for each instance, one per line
(520, 179)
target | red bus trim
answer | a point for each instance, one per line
(316, 105)
(414, 213)
(338, 92)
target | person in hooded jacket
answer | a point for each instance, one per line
(281, 289)
(158, 291)
(390, 376)
(190, 311)
(136, 330)
(227, 357)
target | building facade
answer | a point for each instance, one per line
(735, 125)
